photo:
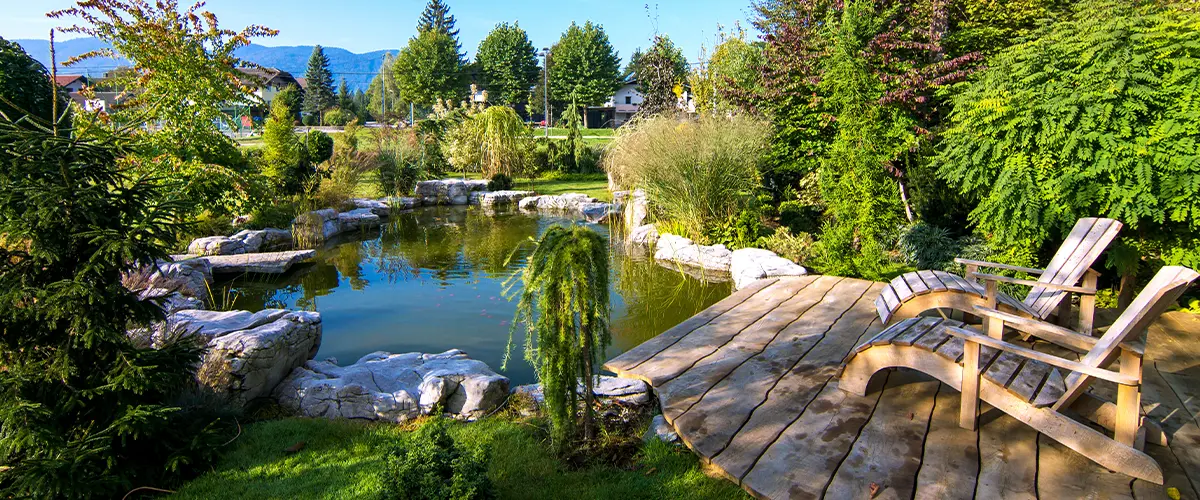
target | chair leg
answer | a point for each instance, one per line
(1129, 401)
(968, 415)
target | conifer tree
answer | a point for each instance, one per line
(437, 17)
(319, 95)
(345, 100)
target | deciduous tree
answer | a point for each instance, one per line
(584, 66)
(428, 68)
(508, 64)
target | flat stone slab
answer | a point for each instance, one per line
(683, 251)
(265, 263)
(751, 264)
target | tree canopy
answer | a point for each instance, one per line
(584, 66)
(429, 68)
(25, 85)
(658, 71)
(437, 17)
(508, 64)
(319, 95)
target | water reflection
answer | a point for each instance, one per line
(432, 280)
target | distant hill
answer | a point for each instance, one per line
(357, 69)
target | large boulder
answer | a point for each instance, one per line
(317, 226)
(751, 264)
(216, 245)
(607, 390)
(446, 191)
(683, 251)
(249, 354)
(496, 199)
(264, 240)
(645, 235)
(596, 212)
(189, 277)
(395, 387)
(359, 218)
(259, 263)
(378, 207)
(637, 209)
(402, 202)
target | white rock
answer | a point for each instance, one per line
(216, 245)
(606, 389)
(645, 235)
(402, 202)
(683, 251)
(530, 203)
(496, 199)
(637, 209)
(359, 218)
(249, 354)
(394, 387)
(596, 212)
(377, 207)
(751, 264)
(188, 277)
(264, 240)
(264, 262)
(446, 191)
(477, 185)
(660, 430)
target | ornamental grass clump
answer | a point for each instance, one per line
(698, 174)
(564, 309)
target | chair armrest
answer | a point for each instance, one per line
(1091, 371)
(997, 265)
(1031, 283)
(1046, 331)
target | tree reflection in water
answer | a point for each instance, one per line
(432, 280)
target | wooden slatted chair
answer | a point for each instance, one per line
(1028, 384)
(911, 294)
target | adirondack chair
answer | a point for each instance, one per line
(1028, 384)
(911, 294)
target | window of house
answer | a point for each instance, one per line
(628, 99)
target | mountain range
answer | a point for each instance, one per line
(356, 69)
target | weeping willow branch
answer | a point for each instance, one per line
(564, 310)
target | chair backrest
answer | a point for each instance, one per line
(1159, 294)
(1084, 244)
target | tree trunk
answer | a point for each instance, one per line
(1125, 297)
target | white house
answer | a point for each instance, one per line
(72, 83)
(267, 82)
(625, 103)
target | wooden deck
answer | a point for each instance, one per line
(751, 386)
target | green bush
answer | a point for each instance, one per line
(339, 117)
(800, 217)
(795, 247)
(739, 231)
(929, 247)
(500, 182)
(310, 120)
(318, 146)
(276, 215)
(430, 465)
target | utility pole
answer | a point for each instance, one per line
(546, 89)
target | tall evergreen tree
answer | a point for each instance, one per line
(507, 63)
(437, 17)
(344, 99)
(319, 95)
(25, 85)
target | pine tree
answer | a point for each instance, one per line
(25, 85)
(437, 17)
(86, 409)
(319, 95)
(344, 99)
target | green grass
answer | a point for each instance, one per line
(587, 132)
(594, 185)
(342, 459)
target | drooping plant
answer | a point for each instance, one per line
(563, 309)
(492, 141)
(86, 411)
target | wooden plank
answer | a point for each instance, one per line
(932, 340)
(903, 292)
(882, 337)
(678, 394)
(888, 450)
(951, 349)
(915, 332)
(1007, 458)
(705, 340)
(636, 356)
(1062, 473)
(1163, 405)
(950, 463)
(890, 298)
(737, 432)
(1026, 383)
(1003, 368)
(1070, 244)
(1082, 258)
(801, 461)
(915, 283)
(931, 280)
(881, 309)
(1053, 389)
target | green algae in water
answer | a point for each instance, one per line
(432, 280)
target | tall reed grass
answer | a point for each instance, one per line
(697, 173)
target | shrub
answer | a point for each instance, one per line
(276, 215)
(318, 147)
(796, 247)
(339, 117)
(500, 182)
(85, 410)
(800, 217)
(429, 465)
(492, 141)
(400, 162)
(284, 157)
(740, 231)
(696, 173)
(310, 120)
(928, 247)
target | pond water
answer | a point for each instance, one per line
(433, 279)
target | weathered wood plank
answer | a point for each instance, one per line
(800, 463)
(882, 337)
(915, 283)
(1053, 389)
(1007, 456)
(888, 450)
(678, 394)
(903, 292)
(890, 298)
(1002, 369)
(950, 463)
(1064, 252)
(932, 340)
(1162, 404)
(931, 280)
(1027, 381)
(634, 357)
(1062, 473)
(705, 340)
(805, 373)
(915, 332)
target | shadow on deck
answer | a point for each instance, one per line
(751, 386)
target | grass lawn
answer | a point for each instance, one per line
(342, 459)
(587, 132)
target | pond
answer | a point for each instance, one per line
(434, 279)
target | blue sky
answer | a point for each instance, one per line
(366, 25)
